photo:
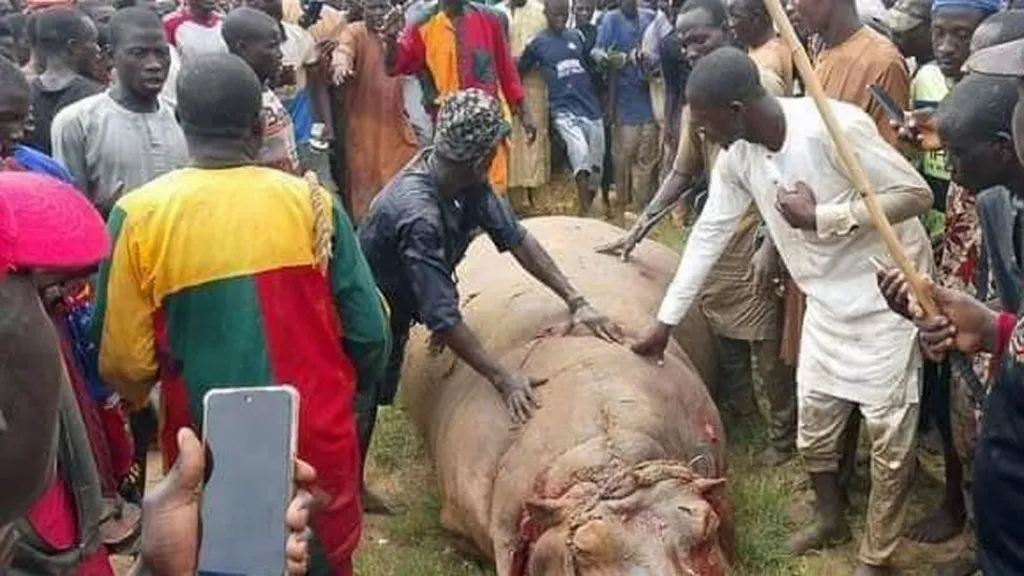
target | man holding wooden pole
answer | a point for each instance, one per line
(854, 354)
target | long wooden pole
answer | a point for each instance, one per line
(853, 167)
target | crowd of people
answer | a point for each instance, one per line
(288, 186)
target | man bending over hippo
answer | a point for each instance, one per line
(417, 231)
(854, 355)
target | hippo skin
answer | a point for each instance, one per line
(621, 471)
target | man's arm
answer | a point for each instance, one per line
(405, 54)
(367, 335)
(901, 191)
(68, 138)
(123, 319)
(316, 83)
(527, 60)
(727, 202)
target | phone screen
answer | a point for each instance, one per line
(250, 433)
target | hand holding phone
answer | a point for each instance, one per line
(251, 436)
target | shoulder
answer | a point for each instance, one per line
(885, 52)
(172, 21)
(82, 111)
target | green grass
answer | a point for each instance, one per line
(769, 504)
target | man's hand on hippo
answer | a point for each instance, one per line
(653, 343)
(602, 327)
(624, 246)
(517, 391)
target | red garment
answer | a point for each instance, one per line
(53, 518)
(469, 52)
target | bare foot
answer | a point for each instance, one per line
(939, 526)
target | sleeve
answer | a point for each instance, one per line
(894, 79)
(422, 254)
(497, 219)
(902, 192)
(728, 201)
(367, 334)
(310, 54)
(690, 159)
(343, 59)
(605, 34)
(410, 53)
(123, 318)
(67, 136)
(651, 40)
(508, 76)
(995, 214)
(528, 59)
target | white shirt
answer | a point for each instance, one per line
(852, 346)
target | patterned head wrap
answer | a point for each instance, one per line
(469, 125)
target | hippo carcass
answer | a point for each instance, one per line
(621, 470)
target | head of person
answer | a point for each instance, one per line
(219, 104)
(724, 93)
(201, 8)
(817, 15)
(8, 43)
(374, 12)
(469, 129)
(910, 22)
(999, 28)
(629, 7)
(583, 12)
(701, 28)
(750, 22)
(69, 35)
(976, 125)
(16, 25)
(557, 14)
(953, 25)
(46, 227)
(15, 100)
(101, 11)
(273, 8)
(142, 57)
(255, 37)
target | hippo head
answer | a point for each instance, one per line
(655, 519)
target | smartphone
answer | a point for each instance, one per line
(250, 435)
(893, 110)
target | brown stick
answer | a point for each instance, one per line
(853, 167)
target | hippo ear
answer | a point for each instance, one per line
(703, 486)
(545, 512)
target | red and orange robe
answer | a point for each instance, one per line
(470, 51)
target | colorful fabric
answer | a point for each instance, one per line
(378, 138)
(468, 125)
(279, 149)
(213, 282)
(927, 90)
(961, 242)
(470, 51)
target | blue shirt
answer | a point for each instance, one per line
(561, 60)
(633, 95)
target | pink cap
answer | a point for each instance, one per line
(47, 224)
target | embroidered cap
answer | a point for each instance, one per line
(469, 125)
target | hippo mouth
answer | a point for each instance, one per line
(658, 508)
